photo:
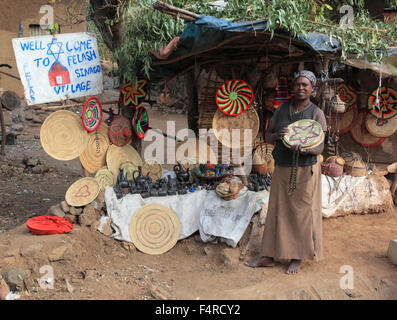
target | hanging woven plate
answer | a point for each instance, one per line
(360, 134)
(120, 131)
(234, 97)
(380, 128)
(387, 106)
(94, 156)
(308, 133)
(347, 94)
(92, 114)
(132, 94)
(231, 131)
(346, 120)
(140, 122)
(62, 136)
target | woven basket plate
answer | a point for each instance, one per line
(117, 155)
(308, 133)
(380, 128)
(105, 178)
(128, 168)
(263, 153)
(82, 192)
(154, 229)
(120, 131)
(63, 136)
(94, 156)
(360, 134)
(346, 120)
(224, 126)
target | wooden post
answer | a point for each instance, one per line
(192, 112)
(3, 131)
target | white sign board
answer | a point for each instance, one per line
(60, 67)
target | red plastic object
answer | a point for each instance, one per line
(48, 225)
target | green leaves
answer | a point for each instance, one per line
(144, 29)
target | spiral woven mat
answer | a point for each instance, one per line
(105, 178)
(63, 136)
(224, 124)
(128, 168)
(94, 156)
(154, 229)
(117, 155)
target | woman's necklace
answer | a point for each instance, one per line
(295, 154)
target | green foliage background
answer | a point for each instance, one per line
(144, 29)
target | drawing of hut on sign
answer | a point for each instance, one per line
(58, 75)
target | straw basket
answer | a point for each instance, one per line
(262, 160)
(356, 168)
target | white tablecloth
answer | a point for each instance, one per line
(200, 211)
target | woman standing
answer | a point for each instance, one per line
(293, 228)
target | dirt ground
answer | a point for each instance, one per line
(88, 265)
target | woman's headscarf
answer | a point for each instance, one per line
(311, 77)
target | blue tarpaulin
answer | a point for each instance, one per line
(207, 32)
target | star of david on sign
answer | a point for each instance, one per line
(303, 134)
(55, 53)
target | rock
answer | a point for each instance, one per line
(41, 168)
(207, 251)
(7, 118)
(75, 211)
(56, 210)
(64, 206)
(159, 293)
(10, 100)
(392, 251)
(17, 127)
(18, 115)
(36, 119)
(31, 250)
(29, 115)
(69, 286)
(230, 257)
(89, 216)
(15, 279)
(57, 253)
(95, 226)
(71, 218)
(105, 226)
(100, 199)
(30, 162)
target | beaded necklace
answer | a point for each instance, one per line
(295, 153)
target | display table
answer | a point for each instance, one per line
(201, 211)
